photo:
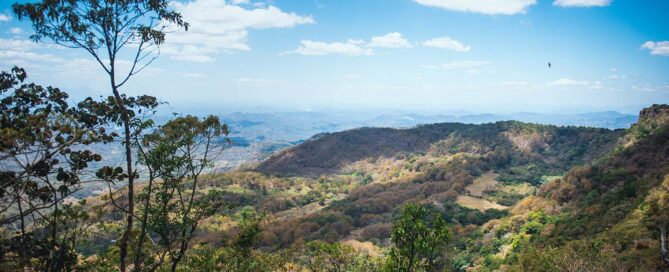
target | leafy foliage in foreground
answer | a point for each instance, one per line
(44, 156)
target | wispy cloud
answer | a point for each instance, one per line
(505, 7)
(14, 51)
(5, 17)
(351, 47)
(568, 82)
(581, 3)
(447, 43)
(650, 88)
(657, 48)
(348, 48)
(15, 30)
(390, 40)
(463, 64)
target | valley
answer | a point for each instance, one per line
(352, 192)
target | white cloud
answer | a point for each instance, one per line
(573, 83)
(390, 40)
(569, 82)
(447, 43)
(597, 85)
(352, 47)
(15, 30)
(19, 52)
(469, 65)
(20, 57)
(27, 54)
(348, 48)
(14, 44)
(5, 18)
(650, 88)
(506, 7)
(582, 3)
(657, 48)
(216, 26)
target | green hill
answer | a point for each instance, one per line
(588, 206)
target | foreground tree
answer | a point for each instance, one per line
(323, 256)
(105, 29)
(419, 240)
(45, 150)
(176, 155)
(240, 253)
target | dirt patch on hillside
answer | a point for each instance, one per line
(478, 203)
(484, 182)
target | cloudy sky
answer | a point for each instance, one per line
(413, 55)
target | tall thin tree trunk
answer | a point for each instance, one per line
(131, 177)
(54, 236)
(23, 232)
(145, 218)
(131, 187)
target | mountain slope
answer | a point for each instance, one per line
(596, 216)
(330, 153)
(589, 207)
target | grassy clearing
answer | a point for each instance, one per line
(478, 203)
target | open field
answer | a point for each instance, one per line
(478, 203)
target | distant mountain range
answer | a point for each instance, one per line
(257, 136)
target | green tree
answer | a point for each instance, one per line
(106, 29)
(239, 255)
(44, 154)
(176, 155)
(419, 237)
(323, 256)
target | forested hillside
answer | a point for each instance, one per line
(506, 196)
(305, 136)
(506, 142)
(599, 194)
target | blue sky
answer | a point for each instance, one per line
(411, 55)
